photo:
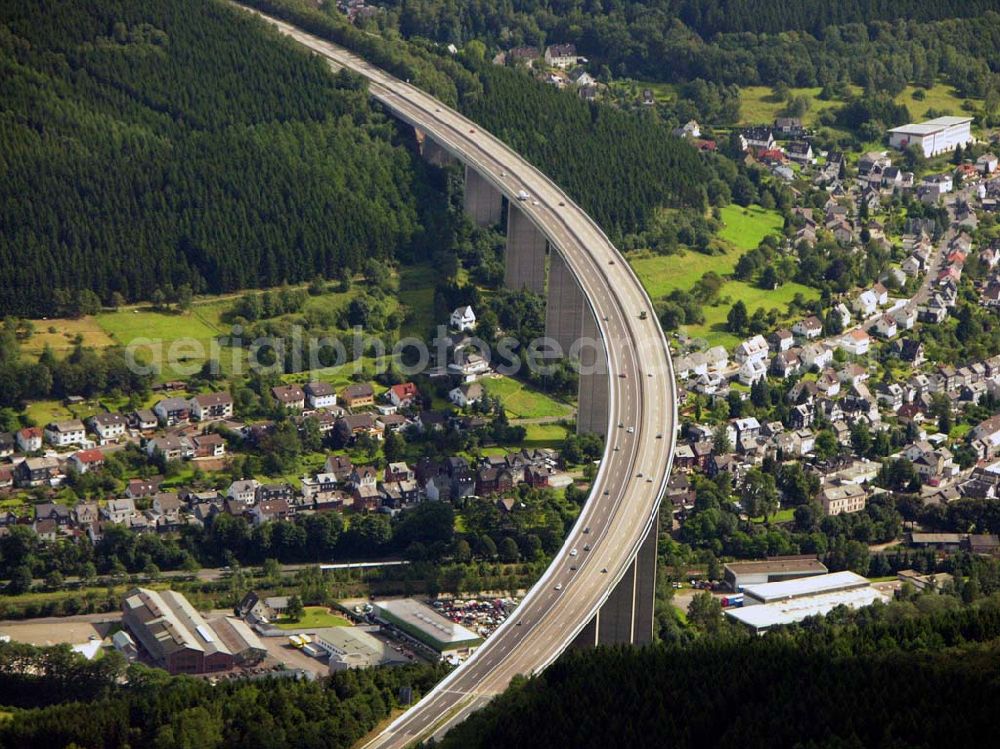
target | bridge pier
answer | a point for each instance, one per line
(431, 151)
(483, 202)
(626, 618)
(564, 305)
(524, 261)
(592, 396)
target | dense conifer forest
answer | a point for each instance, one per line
(915, 674)
(874, 43)
(621, 167)
(149, 146)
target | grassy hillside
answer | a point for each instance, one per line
(743, 229)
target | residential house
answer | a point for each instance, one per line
(785, 364)
(404, 395)
(987, 163)
(65, 433)
(866, 303)
(29, 439)
(463, 319)
(815, 355)
(32, 472)
(320, 395)
(290, 396)
(752, 349)
(275, 509)
(842, 498)
(801, 152)
(358, 395)
(243, 491)
(139, 488)
(107, 426)
(909, 350)
(809, 328)
(211, 406)
(690, 129)
(172, 411)
(466, 394)
(86, 460)
(208, 446)
(120, 511)
(753, 370)
(885, 326)
(780, 340)
(143, 420)
(844, 313)
(340, 466)
(759, 138)
(561, 55)
(170, 447)
(857, 342)
(789, 127)
(905, 317)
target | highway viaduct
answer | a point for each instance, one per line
(599, 588)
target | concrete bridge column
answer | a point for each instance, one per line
(524, 261)
(626, 618)
(433, 152)
(564, 305)
(483, 202)
(592, 411)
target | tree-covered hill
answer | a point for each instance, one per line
(919, 674)
(147, 146)
(621, 167)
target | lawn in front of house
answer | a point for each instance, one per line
(315, 617)
(522, 401)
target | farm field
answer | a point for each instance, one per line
(521, 401)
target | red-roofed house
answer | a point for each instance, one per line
(404, 394)
(85, 460)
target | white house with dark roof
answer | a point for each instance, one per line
(210, 406)
(463, 318)
(64, 433)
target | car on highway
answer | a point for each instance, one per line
(586, 547)
(572, 568)
(572, 552)
(558, 586)
(587, 529)
(535, 202)
(522, 195)
(604, 570)
(659, 435)
(630, 430)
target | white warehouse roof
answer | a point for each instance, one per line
(931, 126)
(768, 615)
(805, 586)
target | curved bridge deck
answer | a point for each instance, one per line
(622, 508)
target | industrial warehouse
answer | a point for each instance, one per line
(426, 627)
(177, 638)
(773, 604)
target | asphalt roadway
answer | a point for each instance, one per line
(632, 476)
